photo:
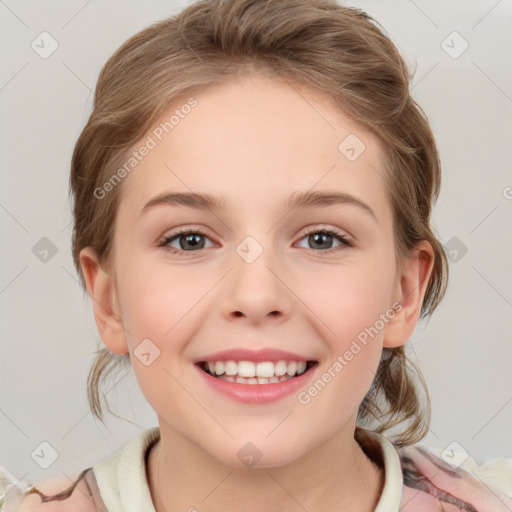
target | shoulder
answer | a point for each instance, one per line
(429, 480)
(63, 494)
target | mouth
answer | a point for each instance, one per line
(261, 372)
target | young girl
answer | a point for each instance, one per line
(252, 201)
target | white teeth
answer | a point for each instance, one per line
(246, 369)
(219, 367)
(280, 368)
(291, 369)
(265, 369)
(229, 378)
(248, 372)
(231, 368)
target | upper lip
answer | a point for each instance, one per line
(242, 354)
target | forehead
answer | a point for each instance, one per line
(256, 136)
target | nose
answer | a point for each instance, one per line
(256, 289)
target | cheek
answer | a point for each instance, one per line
(162, 304)
(352, 299)
(160, 318)
(350, 309)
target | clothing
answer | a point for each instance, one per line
(417, 479)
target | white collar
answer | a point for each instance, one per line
(123, 484)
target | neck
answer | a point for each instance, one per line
(336, 476)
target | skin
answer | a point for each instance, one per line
(253, 141)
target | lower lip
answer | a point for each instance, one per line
(257, 393)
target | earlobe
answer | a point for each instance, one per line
(411, 290)
(101, 289)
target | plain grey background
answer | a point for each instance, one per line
(462, 51)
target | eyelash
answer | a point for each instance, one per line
(346, 243)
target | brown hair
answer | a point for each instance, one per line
(336, 50)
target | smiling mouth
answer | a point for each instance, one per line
(248, 372)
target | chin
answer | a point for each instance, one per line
(257, 454)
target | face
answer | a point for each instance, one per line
(312, 285)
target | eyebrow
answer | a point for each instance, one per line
(297, 200)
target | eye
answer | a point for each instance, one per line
(320, 238)
(192, 239)
(189, 238)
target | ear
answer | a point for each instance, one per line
(101, 288)
(410, 291)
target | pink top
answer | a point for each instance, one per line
(416, 480)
